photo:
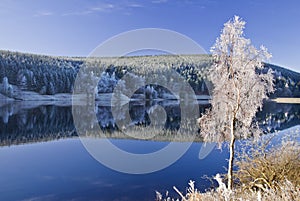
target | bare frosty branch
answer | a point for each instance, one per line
(239, 89)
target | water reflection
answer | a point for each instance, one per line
(23, 122)
(63, 169)
(278, 116)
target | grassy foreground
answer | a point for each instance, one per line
(264, 172)
(286, 192)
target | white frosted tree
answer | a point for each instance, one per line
(238, 89)
(6, 88)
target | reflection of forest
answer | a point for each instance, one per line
(278, 116)
(25, 123)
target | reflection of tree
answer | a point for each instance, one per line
(278, 116)
(37, 124)
(21, 123)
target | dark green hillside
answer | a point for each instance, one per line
(48, 75)
(287, 82)
(42, 74)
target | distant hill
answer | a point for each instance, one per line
(47, 75)
(287, 82)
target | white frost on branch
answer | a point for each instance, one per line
(238, 89)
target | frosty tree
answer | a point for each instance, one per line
(239, 89)
(6, 88)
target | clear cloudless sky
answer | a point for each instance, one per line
(76, 27)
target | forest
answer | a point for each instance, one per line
(48, 75)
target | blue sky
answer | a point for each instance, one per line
(76, 27)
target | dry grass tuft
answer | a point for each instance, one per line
(286, 192)
(268, 168)
(264, 172)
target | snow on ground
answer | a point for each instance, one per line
(287, 100)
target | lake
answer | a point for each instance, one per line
(42, 157)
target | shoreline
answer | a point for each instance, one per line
(287, 100)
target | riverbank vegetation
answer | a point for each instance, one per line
(260, 170)
(264, 171)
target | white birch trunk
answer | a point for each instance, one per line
(231, 157)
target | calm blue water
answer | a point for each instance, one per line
(42, 159)
(63, 170)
